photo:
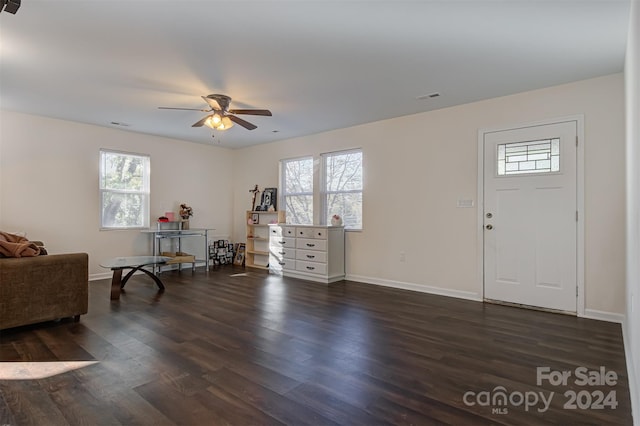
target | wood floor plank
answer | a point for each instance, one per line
(274, 405)
(259, 349)
(30, 404)
(132, 410)
(333, 406)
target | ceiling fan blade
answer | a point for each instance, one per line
(186, 109)
(242, 122)
(212, 103)
(201, 122)
(251, 111)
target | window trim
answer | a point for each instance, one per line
(319, 192)
(323, 192)
(146, 193)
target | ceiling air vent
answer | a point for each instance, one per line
(430, 95)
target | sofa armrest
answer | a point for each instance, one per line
(42, 288)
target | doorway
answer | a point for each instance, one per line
(530, 215)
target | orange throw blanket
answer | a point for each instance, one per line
(16, 246)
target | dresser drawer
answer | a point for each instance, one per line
(319, 233)
(288, 231)
(276, 263)
(283, 252)
(275, 231)
(311, 267)
(288, 265)
(312, 255)
(283, 242)
(311, 244)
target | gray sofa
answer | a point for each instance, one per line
(43, 288)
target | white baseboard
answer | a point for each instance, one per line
(603, 316)
(468, 295)
(100, 276)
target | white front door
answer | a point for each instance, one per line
(530, 216)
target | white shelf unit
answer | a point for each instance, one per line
(257, 245)
(310, 252)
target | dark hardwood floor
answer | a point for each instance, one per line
(218, 349)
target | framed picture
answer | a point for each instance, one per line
(255, 218)
(239, 258)
(269, 199)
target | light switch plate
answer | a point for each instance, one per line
(465, 204)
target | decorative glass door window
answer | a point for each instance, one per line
(541, 156)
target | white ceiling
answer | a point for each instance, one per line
(317, 65)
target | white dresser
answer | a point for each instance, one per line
(310, 252)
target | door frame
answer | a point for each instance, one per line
(579, 120)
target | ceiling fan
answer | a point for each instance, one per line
(222, 118)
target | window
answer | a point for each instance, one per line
(541, 156)
(343, 187)
(338, 190)
(124, 190)
(297, 194)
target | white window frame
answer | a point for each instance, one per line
(319, 192)
(145, 192)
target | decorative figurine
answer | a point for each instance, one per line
(255, 191)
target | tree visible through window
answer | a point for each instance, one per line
(343, 187)
(297, 181)
(124, 190)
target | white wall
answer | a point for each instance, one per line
(418, 166)
(632, 91)
(49, 175)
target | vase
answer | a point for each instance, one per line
(336, 222)
(185, 224)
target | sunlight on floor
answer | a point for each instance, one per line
(38, 370)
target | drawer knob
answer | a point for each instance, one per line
(282, 252)
(282, 242)
(310, 245)
(282, 263)
(311, 268)
(310, 256)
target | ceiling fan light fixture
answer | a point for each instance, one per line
(226, 122)
(217, 122)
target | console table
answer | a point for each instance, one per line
(173, 234)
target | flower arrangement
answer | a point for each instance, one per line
(336, 220)
(185, 211)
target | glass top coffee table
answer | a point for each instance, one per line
(135, 263)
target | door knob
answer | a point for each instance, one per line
(489, 227)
